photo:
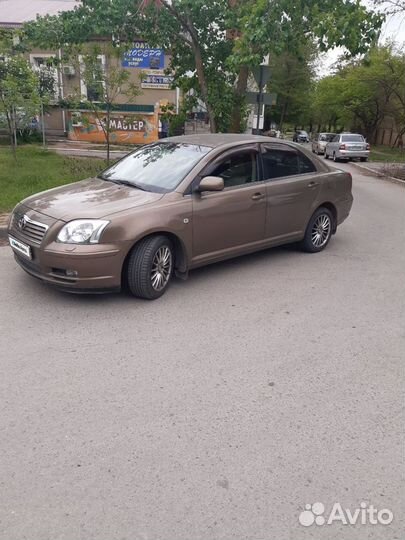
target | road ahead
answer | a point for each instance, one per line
(219, 411)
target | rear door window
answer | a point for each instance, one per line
(281, 160)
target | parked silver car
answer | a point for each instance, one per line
(347, 146)
(320, 141)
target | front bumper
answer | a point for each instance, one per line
(72, 267)
(75, 268)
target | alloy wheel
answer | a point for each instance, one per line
(161, 268)
(321, 230)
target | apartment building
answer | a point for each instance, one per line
(131, 121)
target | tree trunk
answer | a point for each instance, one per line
(107, 134)
(199, 65)
(240, 90)
(43, 125)
(188, 27)
(12, 132)
(283, 114)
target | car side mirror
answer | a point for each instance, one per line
(211, 183)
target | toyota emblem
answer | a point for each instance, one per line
(22, 222)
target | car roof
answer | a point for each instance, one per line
(215, 140)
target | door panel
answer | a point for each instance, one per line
(235, 217)
(228, 219)
(292, 188)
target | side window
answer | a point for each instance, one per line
(335, 138)
(237, 169)
(279, 162)
(305, 164)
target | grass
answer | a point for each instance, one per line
(385, 153)
(36, 170)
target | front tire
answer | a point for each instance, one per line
(318, 231)
(150, 267)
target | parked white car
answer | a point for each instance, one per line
(320, 141)
(347, 146)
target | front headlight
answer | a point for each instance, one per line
(82, 231)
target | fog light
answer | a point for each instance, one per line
(71, 273)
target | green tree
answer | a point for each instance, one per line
(363, 93)
(198, 34)
(105, 80)
(19, 96)
(292, 80)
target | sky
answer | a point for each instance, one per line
(392, 30)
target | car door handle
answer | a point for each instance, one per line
(313, 184)
(257, 197)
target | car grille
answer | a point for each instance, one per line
(27, 228)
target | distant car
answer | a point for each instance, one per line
(320, 141)
(301, 136)
(347, 146)
(178, 204)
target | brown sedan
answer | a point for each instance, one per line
(175, 205)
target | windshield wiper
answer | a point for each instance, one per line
(131, 184)
(122, 182)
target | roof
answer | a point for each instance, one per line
(219, 139)
(13, 13)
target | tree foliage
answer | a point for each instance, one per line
(196, 32)
(19, 89)
(292, 81)
(363, 93)
(106, 81)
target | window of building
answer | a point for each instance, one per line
(44, 65)
(91, 79)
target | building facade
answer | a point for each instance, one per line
(132, 121)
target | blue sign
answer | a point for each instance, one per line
(144, 57)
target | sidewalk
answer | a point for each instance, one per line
(4, 217)
(382, 169)
(66, 147)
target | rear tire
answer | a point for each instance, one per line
(318, 231)
(325, 155)
(150, 267)
(363, 159)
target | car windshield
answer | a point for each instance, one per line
(326, 137)
(157, 167)
(352, 138)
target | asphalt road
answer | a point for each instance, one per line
(219, 411)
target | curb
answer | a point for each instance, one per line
(3, 232)
(3, 226)
(378, 174)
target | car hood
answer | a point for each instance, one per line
(91, 198)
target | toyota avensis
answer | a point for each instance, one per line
(175, 205)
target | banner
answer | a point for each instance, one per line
(158, 80)
(144, 57)
(125, 128)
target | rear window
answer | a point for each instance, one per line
(326, 136)
(352, 138)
